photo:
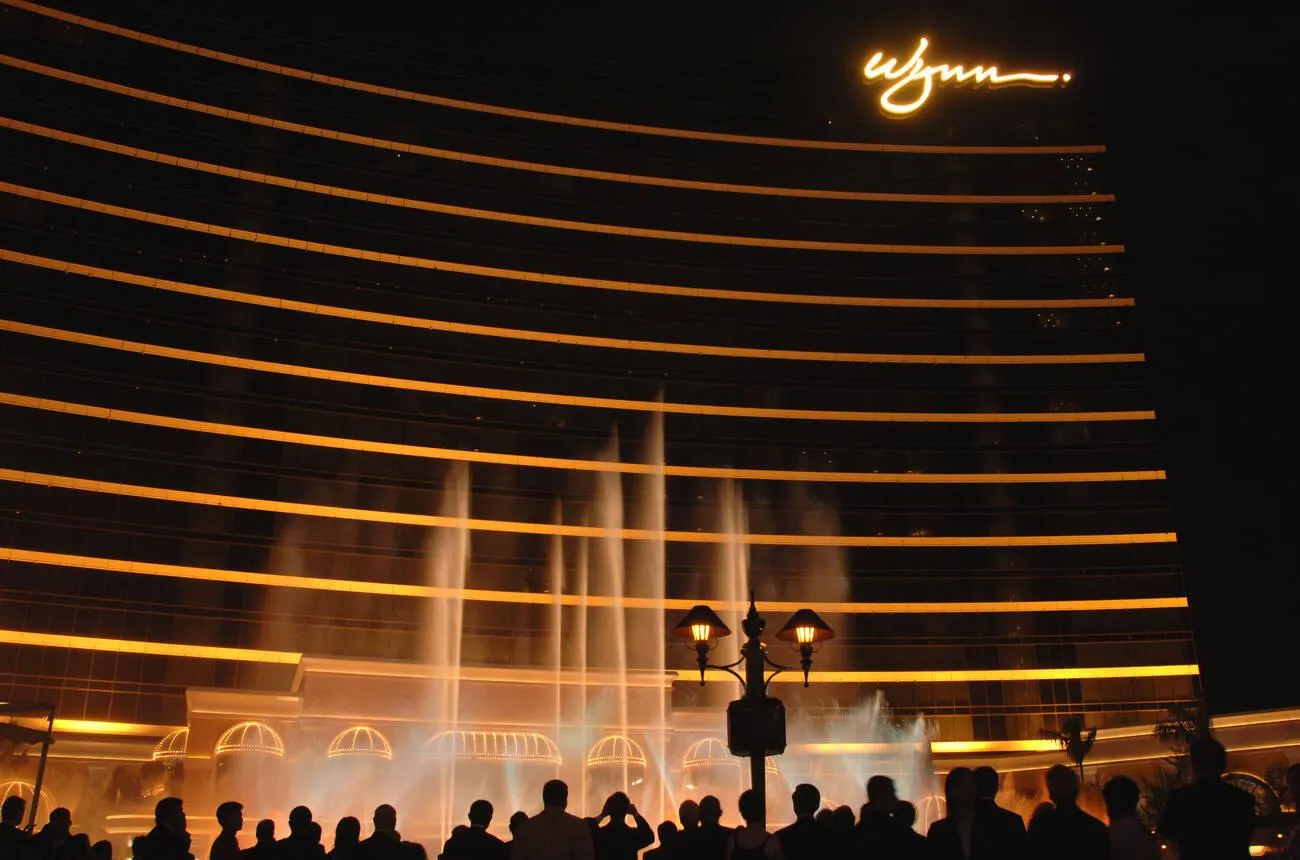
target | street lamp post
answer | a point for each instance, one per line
(755, 721)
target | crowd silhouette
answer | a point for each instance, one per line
(1208, 819)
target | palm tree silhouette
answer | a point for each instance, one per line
(1075, 738)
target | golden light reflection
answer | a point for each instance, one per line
(509, 274)
(616, 751)
(516, 113)
(157, 649)
(426, 324)
(360, 742)
(668, 470)
(250, 736)
(557, 399)
(164, 494)
(907, 676)
(918, 78)
(358, 586)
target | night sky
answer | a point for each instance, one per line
(1185, 108)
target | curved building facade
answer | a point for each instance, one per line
(303, 367)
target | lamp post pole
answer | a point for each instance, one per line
(756, 692)
(755, 722)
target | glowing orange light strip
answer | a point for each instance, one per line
(517, 113)
(547, 676)
(439, 208)
(245, 432)
(104, 727)
(159, 649)
(514, 527)
(548, 336)
(536, 167)
(937, 747)
(493, 271)
(479, 595)
(561, 399)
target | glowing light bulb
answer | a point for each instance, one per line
(700, 632)
(805, 635)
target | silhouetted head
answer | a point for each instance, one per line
(842, 818)
(516, 821)
(61, 820)
(1062, 785)
(299, 818)
(905, 813)
(617, 805)
(555, 794)
(751, 806)
(385, 819)
(102, 850)
(347, 832)
(480, 814)
(710, 810)
(881, 791)
(805, 799)
(1121, 795)
(667, 832)
(265, 831)
(1041, 809)
(230, 815)
(75, 847)
(987, 783)
(1292, 784)
(314, 833)
(959, 789)
(11, 811)
(1209, 758)
(825, 817)
(168, 812)
(688, 813)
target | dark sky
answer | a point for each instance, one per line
(1187, 110)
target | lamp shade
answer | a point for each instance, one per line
(701, 624)
(806, 627)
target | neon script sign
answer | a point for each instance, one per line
(912, 83)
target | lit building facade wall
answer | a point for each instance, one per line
(256, 328)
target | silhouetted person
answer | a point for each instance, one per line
(384, 843)
(50, 838)
(615, 840)
(708, 841)
(553, 834)
(667, 833)
(13, 840)
(75, 847)
(842, 831)
(264, 847)
(825, 818)
(877, 833)
(805, 839)
(953, 836)
(688, 815)
(911, 845)
(1066, 832)
(230, 815)
(1209, 819)
(999, 833)
(303, 841)
(1129, 837)
(751, 841)
(347, 836)
(102, 850)
(169, 840)
(474, 842)
(517, 820)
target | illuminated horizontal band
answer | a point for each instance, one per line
(936, 747)
(919, 676)
(608, 466)
(547, 676)
(518, 113)
(157, 649)
(532, 598)
(509, 274)
(536, 167)
(426, 324)
(164, 494)
(106, 727)
(443, 208)
(652, 406)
